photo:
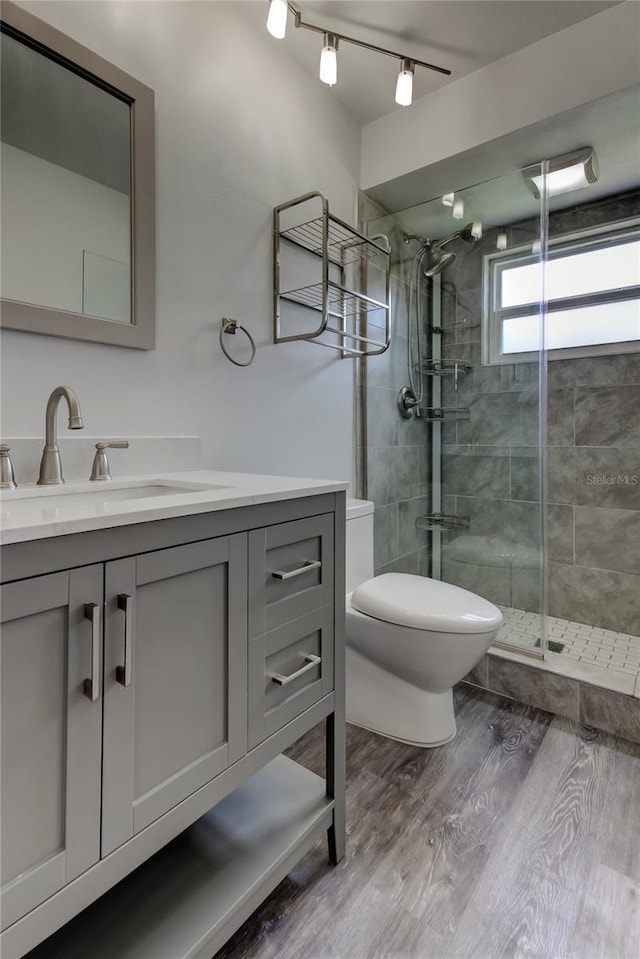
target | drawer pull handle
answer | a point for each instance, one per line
(310, 564)
(92, 686)
(310, 661)
(123, 673)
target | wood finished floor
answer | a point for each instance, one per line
(521, 838)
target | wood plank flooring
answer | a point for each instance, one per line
(518, 840)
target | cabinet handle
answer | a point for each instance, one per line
(310, 662)
(123, 673)
(92, 686)
(310, 564)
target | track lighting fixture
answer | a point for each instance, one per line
(501, 239)
(458, 210)
(329, 60)
(404, 84)
(277, 19)
(448, 199)
(277, 26)
(476, 230)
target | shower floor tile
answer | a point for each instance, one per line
(587, 644)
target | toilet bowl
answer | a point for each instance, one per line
(410, 639)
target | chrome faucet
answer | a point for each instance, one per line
(51, 464)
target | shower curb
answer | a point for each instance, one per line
(589, 703)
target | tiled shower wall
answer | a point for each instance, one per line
(397, 449)
(490, 463)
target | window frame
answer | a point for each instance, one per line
(495, 264)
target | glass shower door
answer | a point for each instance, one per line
(458, 483)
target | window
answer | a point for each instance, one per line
(592, 292)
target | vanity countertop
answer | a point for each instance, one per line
(40, 512)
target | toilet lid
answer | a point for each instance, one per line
(407, 600)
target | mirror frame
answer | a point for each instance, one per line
(140, 333)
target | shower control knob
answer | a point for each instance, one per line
(407, 402)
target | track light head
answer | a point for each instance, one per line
(329, 60)
(404, 83)
(277, 19)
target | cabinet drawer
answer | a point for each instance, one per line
(290, 669)
(290, 572)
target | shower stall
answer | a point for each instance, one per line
(501, 431)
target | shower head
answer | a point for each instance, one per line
(437, 259)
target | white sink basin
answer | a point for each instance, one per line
(67, 501)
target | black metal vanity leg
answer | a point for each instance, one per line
(336, 785)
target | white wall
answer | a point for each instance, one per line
(49, 216)
(591, 59)
(239, 128)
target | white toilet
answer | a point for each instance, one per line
(409, 641)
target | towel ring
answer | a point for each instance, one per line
(232, 326)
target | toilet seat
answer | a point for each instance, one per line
(420, 603)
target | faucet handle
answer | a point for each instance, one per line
(7, 478)
(100, 468)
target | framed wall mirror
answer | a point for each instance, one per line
(77, 190)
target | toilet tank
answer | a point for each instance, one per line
(359, 538)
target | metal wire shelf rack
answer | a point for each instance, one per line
(344, 244)
(347, 310)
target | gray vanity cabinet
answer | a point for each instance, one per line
(175, 678)
(152, 677)
(51, 735)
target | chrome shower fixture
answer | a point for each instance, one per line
(437, 259)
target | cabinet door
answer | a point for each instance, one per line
(175, 695)
(51, 734)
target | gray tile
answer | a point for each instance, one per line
(591, 371)
(560, 418)
(487, 581)
(594, 477)
(382, 418)
(614, 712)
(396, 473)
(533, 686)
(476, 471)
(525, 473)
(409, 537)
(599, 213)
(608, 539)
(508, 521)
(560, 533)
(415, 431)
(426, 560)
(468, 313)
(389, 369)
(499, 419)
(526, 590)
(521, 376)
(385, 534)
(603, 598)
(608, 417)
(404, 564)
(479, 379)
(479, 675)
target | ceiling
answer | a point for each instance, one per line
(611, 125)
(460, 35)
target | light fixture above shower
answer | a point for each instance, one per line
(277, 27)
(571, 171)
